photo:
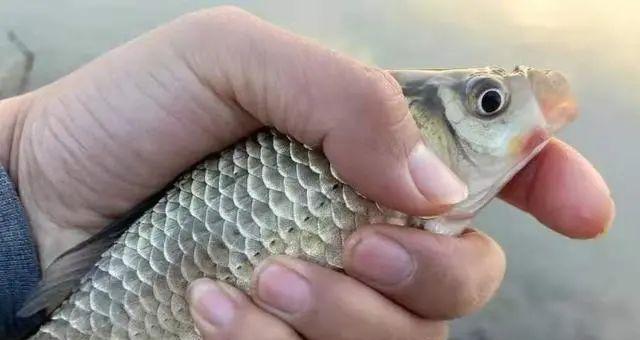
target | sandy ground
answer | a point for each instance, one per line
(555, 288)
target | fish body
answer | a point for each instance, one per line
(271, 195)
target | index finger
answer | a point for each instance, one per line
(564, 191)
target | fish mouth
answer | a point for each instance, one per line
(554, 96)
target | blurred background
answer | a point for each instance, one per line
(555, 288)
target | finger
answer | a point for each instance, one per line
(564, 191)
(434, 276)
(323, 304)
(222, 312)
(136, 117)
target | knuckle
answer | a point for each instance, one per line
(220, 12)
(384, 109)
(211, 19)
(387, 85)
(388, 92)
(227, 10)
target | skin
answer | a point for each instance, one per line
(85, 149)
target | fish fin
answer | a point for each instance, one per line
(65, 273)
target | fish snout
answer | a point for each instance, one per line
(554, 97)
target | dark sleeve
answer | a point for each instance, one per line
(19, 266)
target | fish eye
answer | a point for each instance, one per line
(487, 96)
(490, 102)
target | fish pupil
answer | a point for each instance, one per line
(491, 101)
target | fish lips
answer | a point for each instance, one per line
(554, 96)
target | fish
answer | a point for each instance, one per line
(270, 194)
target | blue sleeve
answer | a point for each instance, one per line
(19, 266)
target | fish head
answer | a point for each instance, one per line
(486, 123)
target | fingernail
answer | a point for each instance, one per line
(379, 259)
(283, 289)
(434, 179)
(212, 303)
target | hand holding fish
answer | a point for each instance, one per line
(86, 149)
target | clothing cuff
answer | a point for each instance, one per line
(19, 265)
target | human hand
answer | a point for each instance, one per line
(87, 148)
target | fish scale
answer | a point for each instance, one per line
(269, 195)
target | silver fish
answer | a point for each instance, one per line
(272, 195)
